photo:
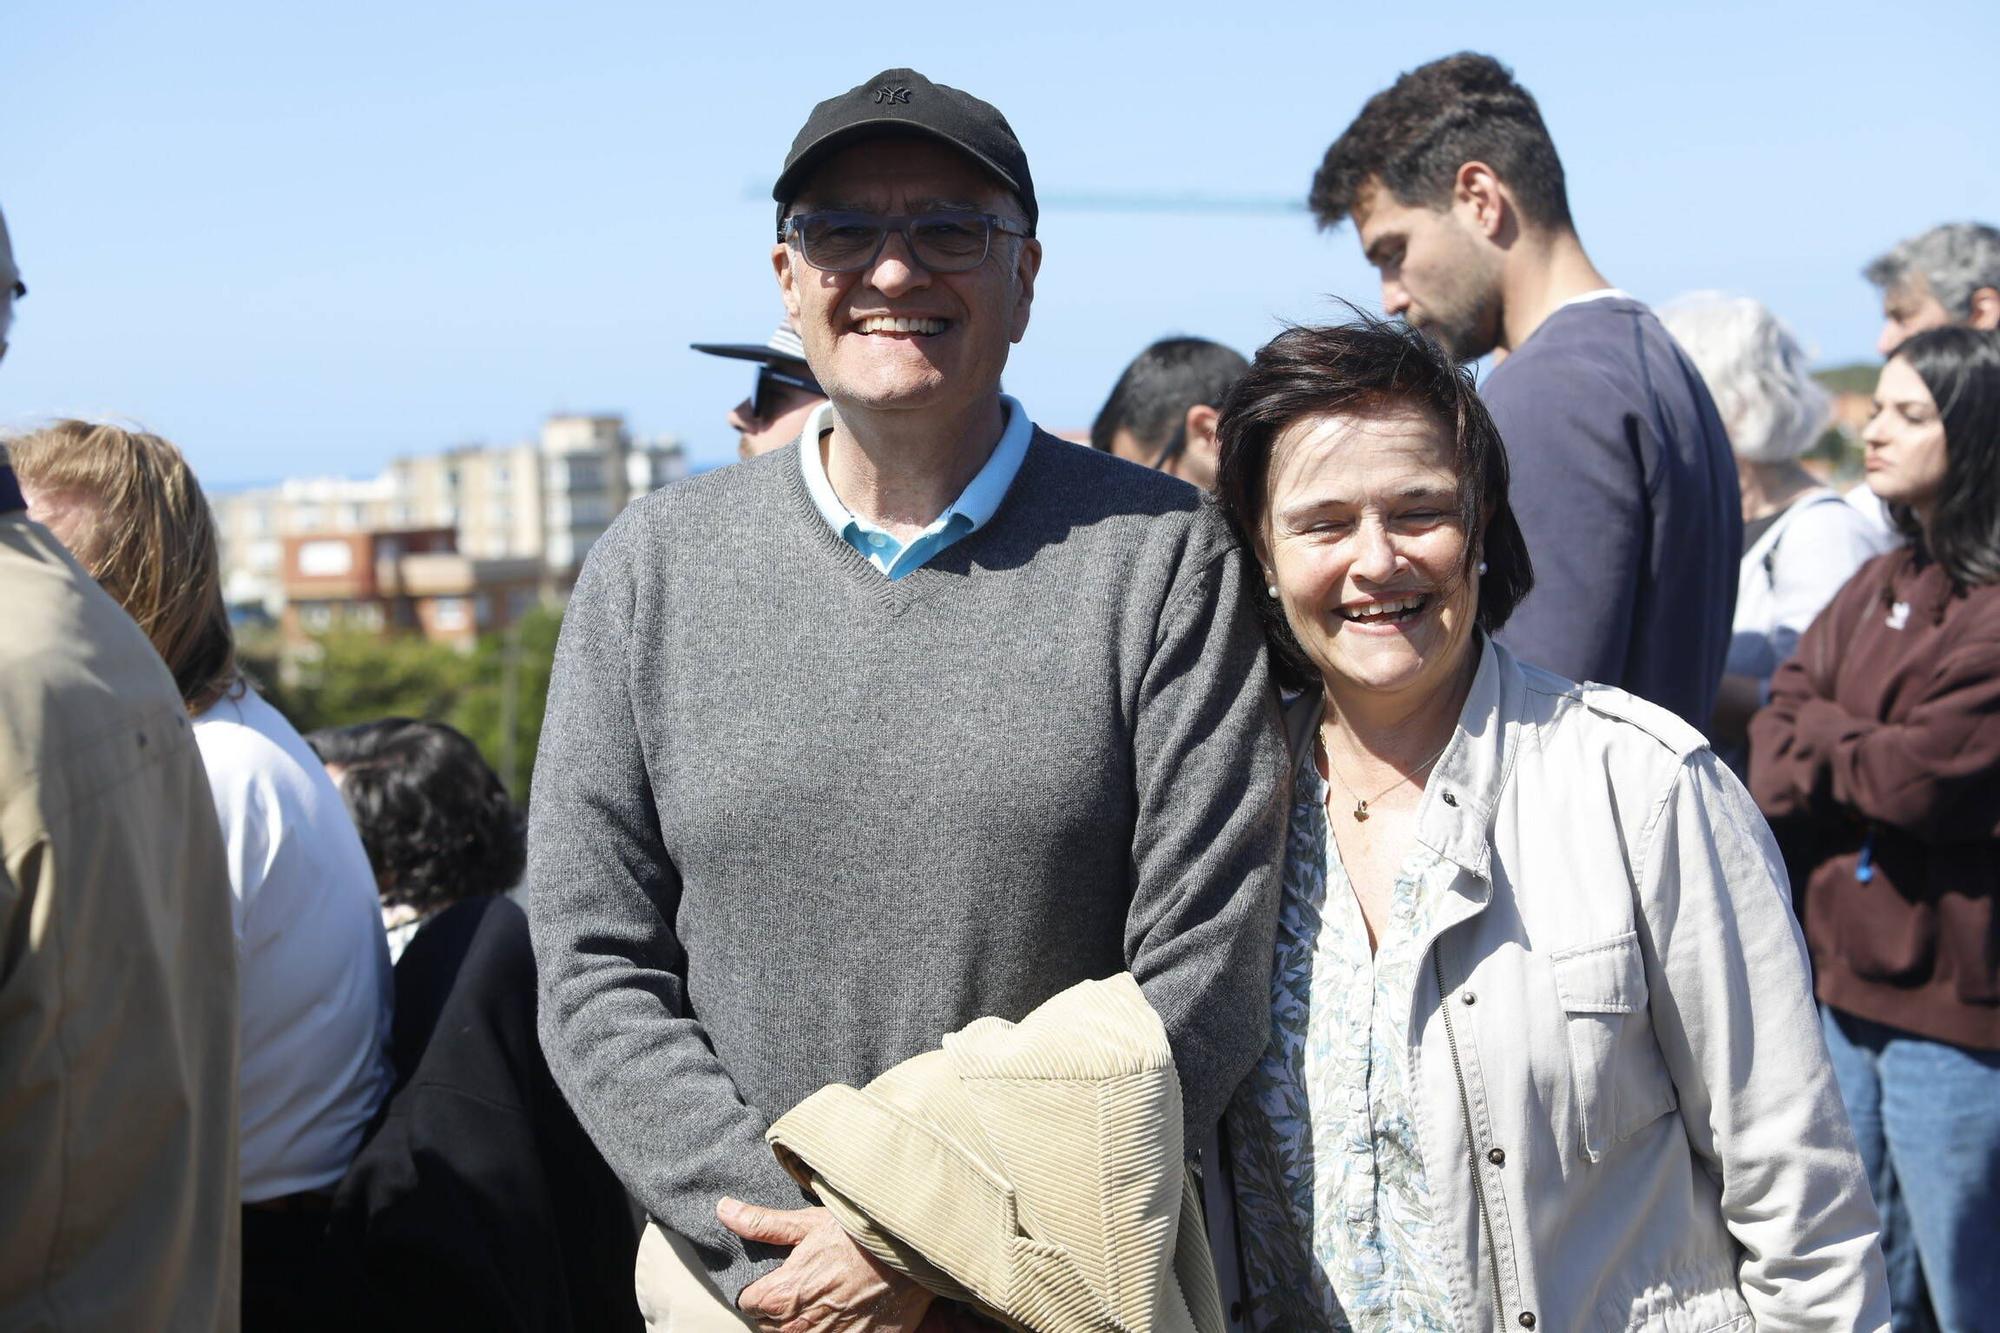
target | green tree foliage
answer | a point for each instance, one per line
(504, 716)
(1856, 378)
(495, 694)
(1837, 447)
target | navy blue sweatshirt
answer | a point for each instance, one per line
(1625, 487)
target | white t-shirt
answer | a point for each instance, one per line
(314, 985)
(1870, 506)
(1788, 576)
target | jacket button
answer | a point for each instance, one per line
(1527, 1319)
(1467, 997)
(1449, 799)
(1497, 1156)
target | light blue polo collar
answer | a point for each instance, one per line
(971, 511)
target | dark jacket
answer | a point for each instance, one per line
(479, 1202)
(1878, 763)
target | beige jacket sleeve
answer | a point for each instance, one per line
(1731, 990)
(118, 1169)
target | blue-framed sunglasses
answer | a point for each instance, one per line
(944, 241)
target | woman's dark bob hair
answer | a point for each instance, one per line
(1961, 368)
(1360, 368)
(436, 820)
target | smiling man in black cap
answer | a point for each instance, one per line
(922, 720)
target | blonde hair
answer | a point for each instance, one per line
(152, 545)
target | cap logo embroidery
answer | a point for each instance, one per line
(892, 96)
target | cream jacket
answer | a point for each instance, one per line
(1032, 1169)
(1627, 1116)
(118, 1189)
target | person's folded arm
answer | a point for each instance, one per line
(1730, 998)
(614, 1021)
(1208, 839)
(1931, 772)
(1787, 771)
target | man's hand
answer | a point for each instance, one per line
(828, 1284)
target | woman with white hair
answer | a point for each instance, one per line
(1800, 540)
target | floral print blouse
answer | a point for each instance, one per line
(1333, 1209)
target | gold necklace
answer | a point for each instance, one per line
(1360, 805)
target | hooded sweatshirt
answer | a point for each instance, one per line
(1878, 763)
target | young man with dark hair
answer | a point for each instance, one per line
(1624, 483)
(1163, 410)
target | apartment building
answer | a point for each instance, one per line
(544, 501)
(407, 579)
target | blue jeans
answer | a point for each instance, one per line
(1927, 1117)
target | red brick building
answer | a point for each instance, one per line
(402, 580)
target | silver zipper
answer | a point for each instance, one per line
(1471, 1138)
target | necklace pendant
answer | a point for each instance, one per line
(1361, 809)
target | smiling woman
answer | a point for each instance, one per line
(1321, 402)
(1490, 1000)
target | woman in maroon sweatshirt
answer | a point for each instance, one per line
(1878, 763)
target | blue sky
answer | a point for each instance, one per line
(303, 240)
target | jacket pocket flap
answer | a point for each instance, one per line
(1604, 977)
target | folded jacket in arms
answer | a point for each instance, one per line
(1032, 1170)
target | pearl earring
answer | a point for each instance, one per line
(1482, 566)
(1270, 590)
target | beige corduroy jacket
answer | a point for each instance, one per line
(1033, 1170)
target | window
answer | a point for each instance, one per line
(325, 559)
(449, 613)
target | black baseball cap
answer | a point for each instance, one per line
(902, 101)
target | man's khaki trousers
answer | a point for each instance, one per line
(676, 1294)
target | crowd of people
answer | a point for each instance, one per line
(1352, 848)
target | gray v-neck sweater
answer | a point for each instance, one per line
(793, 822)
